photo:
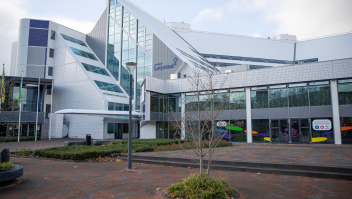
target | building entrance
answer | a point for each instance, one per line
(295, 131)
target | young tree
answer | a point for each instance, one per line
(207, 110)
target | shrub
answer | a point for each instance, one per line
(24, 152)
(5, 166)
(15, 138)
(201, 186)
(83, 152)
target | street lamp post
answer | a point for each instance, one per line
(130, 67)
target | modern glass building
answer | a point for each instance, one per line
(282, 90)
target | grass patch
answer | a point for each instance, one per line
(83, 152)
(5, 166)
(201, 186)
(186, 145)
(15, 138)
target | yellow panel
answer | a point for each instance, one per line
(319, 139)
(267, 139)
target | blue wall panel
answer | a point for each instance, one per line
(38, 37)
(39, 24)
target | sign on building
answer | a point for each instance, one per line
(321, 125)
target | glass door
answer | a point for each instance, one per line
(305, 133)
(284, 131)
(295, 131)
(279, 131)
(118, 131)
(275, 133)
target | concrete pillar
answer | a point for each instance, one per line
(249, 115)
(183, 111)
(335, 112)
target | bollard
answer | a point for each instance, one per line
(88, 140)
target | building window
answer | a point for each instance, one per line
(320, 95)
(52, 35)
(259, 99)
(48, 110)
(117, 107)
(298, 97)
(260, 130)
(95, 69)
(111, 128)
(108, 86)
(51, 53)
(50, 71)
(84, 54)
(278, 98)
(71, 39)
(48, 91)
(346, 130)
(345, 92)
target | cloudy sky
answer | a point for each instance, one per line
(261, 18)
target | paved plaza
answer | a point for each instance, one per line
(46, 178)
(58, 179)
(13, 146)
(319, 155)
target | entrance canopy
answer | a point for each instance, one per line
(97, 112)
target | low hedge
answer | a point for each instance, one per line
(15, 138)
(83, 152)
(156, 142)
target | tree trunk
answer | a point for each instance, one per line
(201, 165)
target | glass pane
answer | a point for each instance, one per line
(297, 85)
(259, 88)
(319, 96)
(305, 136)
(345, 94)
(322, 136)
(346, 130)
(260, 130)
(278, 98)
(259, 99)
(298, 97)
(237, 100)
(275, 133)
(295, 131)
(154, 102)
(284, 133)
(344, 81)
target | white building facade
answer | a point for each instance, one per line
(280, 86)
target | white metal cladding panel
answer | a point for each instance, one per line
(154, 84)
(293, 73)
(222, 44)
(56, 125)
(80, 125)
(328, 48)
(287, 74)
(13, 59)
(342, 68)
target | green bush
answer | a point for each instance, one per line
(15, 138)
(201, 186)
(156, 142)
(24, 152)
(5, 166)
(83, 152)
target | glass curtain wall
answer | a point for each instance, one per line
(114, 46)
(346, 130)
(260, 130)
(128, 55)
(296, 95)
(345, 92)
(149, 42)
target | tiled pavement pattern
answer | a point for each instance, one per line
(36, 144)
(57, 179)
(320, 155)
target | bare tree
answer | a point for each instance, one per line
(204, 116)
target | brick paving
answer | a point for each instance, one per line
(13, 146)
(319, 155)
(58, 179)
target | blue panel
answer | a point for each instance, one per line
(39, 24)
(38, 37)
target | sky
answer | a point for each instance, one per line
(259, 18)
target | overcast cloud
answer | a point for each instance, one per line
(259, 18)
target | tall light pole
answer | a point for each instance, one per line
(131, 66)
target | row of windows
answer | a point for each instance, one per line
(71, 39)
(296, 95)
(95, 69)
(108, 86)
(84, 54)
(222, 64)
(247, 59)
(118, 107)
(165, 103)
(276, 96)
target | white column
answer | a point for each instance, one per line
(183, 111)
(249, 115)
(335, 112)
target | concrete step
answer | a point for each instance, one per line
(296, 170)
